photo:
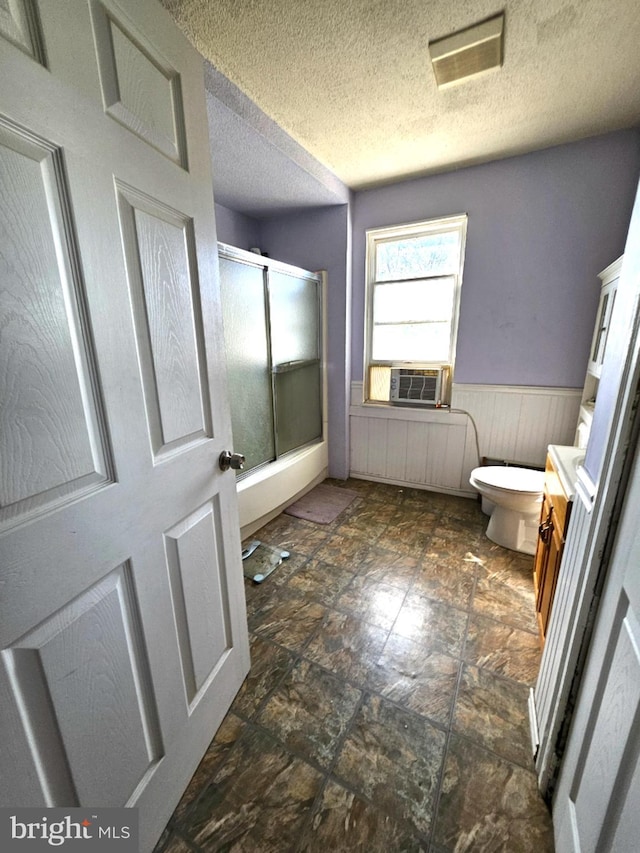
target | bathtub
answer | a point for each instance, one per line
(266, 492)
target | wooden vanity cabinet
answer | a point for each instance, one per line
(554, 519)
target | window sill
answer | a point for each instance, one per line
(390, 411)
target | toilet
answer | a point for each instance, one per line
(512, 496)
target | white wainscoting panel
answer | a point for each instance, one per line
(517, 423)
(436, 448)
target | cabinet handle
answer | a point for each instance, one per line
(545, 529)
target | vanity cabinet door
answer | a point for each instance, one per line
(542, 550)
(545, 599)
(546, 563)
(554, 518)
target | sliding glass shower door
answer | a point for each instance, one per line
(272, 327)
(248, 360)
(294, 311)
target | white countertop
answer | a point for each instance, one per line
(566, 461)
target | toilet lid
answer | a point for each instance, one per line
(510, 478)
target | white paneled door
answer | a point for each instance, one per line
(596, 807)
(123, 632)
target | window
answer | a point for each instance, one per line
(414, 274)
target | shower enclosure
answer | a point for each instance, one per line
(272, 315)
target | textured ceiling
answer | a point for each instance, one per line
(351, 80)
(258, 169)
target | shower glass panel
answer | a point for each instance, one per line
(298, 406)
(294, 316)
(294, 311)
(248, 365)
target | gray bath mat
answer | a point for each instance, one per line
(322, 504)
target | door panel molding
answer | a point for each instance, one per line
(77, 677)
(159, 249)
(610, 741)
(199, 588)
(20, 24)
(52, 418)
(140, 89)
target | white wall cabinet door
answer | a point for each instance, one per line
(123, 631)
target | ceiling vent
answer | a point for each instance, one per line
(469, 52)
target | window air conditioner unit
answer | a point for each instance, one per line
(418, 386)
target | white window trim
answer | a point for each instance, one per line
(395, 232)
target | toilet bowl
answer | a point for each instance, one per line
(512, 497)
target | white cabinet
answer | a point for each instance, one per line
(609, 278)
(601, 331)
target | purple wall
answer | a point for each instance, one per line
(541, 226)
(321, 239)
(236, 228)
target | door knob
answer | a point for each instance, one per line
(228, 460)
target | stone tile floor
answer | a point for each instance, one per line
(386, 707)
